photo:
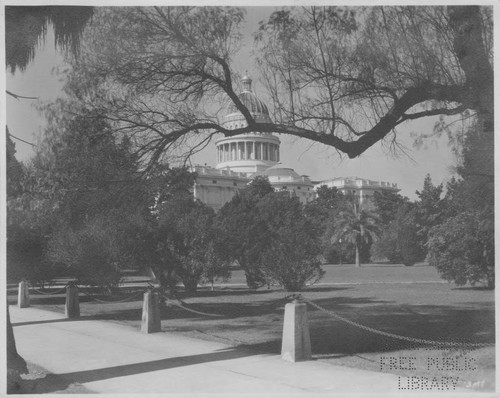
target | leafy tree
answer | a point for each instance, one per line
(463, 248)
(387, 204)
(291, 257)
(216, 266)
(356, 225)
(188, 234)
(79, 175)
(474, 186)
(243, 231)
(15, 170)
(23, 28)
(25, 25)
(398, 240)
(90, 254)
(430, 209)
(323, 67)
(84, 170)
(324, 206)
(149, 233)
(322, 211)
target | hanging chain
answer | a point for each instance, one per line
(47, 293)
(114, 301)
(182, 305)
(395, 336)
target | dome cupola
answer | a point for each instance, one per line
(247, 97)
(249, 152)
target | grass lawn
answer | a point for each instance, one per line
(407, 301)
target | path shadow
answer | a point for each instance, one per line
(59, 382)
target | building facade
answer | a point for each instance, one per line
(243, 157)
(358, 187)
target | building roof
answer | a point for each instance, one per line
(249, 99)
(285, 174)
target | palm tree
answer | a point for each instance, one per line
(356, 224)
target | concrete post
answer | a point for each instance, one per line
(23, 295)
(72, 307)
(151, 321)
(296, 343)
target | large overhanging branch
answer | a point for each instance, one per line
(396, 115)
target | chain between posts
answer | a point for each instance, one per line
(51, 293)
(181, 304)
(115, 301)
(386, 334)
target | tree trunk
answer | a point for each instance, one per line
(253, 277)
(190, 286)
(16, 365)
(469, 46)
(13, 358)
(358, 263)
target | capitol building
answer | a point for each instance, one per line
(245, 156)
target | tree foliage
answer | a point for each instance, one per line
(357, 225)
(345, 77)
(243, 231)
(23, 28)
(430, 209)
(79, 175)
(387, 204)
(91, 254)
(326, 66)
(189, 240)
(463, 248)
(322, 211)
(291, 255)
(15, 171)
(398, 240)
(26, 27)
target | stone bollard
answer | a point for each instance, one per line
(296, 343)
(23, 295)
(151, 320)
(72, 307)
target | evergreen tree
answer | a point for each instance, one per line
(430, 209)
(244, 232)
(291, 255)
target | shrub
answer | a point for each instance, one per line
(399, 240)
(292, 256)
(91, 254)
(463, 248)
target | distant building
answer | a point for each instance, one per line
(246, 156)
(286, 179)
(359, 187)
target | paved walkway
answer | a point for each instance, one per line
(107, 357)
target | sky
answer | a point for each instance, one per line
(318, 161)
